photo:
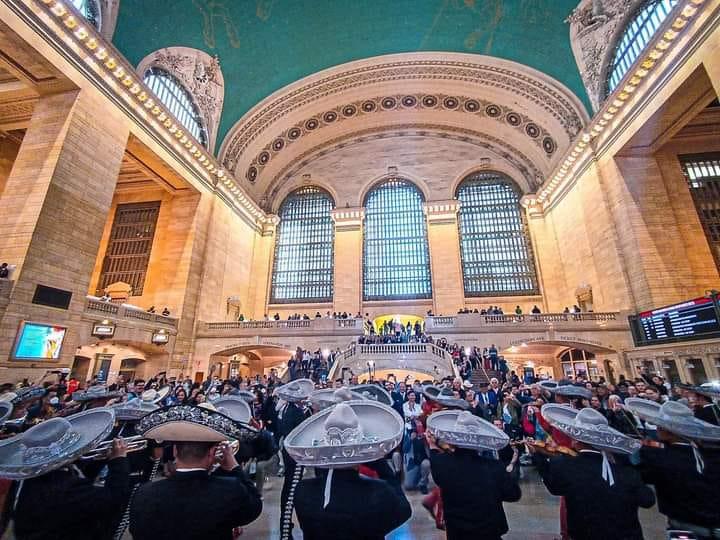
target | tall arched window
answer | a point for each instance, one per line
(178, 101)
(648, 17)
(303, 265)
(396, 262)
(497, 258)
(88, 9)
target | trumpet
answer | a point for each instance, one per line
(102, 450)
(234, 446)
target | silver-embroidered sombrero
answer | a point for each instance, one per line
(573, 391)
(188, 423)
(235, 407)
(95, 392)
(162, 393)
(590, 427)
(550, 386)
(53, 443)
(348, 434)
(6, 410)
(247, 395)
(675, 417)
(294, 391)
(136, 408)
(23, 395)
(373, 392)
(465, 430)
(446, 399)
(327, 397)
(430, 391)
(710, 390)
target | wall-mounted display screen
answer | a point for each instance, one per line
(694, 319)
(36, 341)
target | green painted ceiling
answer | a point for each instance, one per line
(264, 45)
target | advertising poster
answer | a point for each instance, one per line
(39, 342)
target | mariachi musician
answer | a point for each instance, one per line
(341, 439)
(705, 398)
(52, 499)
(195, 503)
(602, 491)
(290, 415)
(684, 466)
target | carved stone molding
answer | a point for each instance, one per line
(594, 27)
(532, 176)
(441, 212)
(201, 75)
(109, 10)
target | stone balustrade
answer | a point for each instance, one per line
(324, 326)
(94, 307)
(476, 321)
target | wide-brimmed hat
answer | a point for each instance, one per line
(136, 408)
(23, 395)
(550, 386)
(95, 392)
(467, 384)
(446, 398)
(348, 434)
(294, 391)
(709, 390)
(675, 417)
(465, 430)
(53, 443)
(235, 407)
(161, 393)
(430, 391)
(247, 395)
(572, 391)
(373, 392)
(6, 410)
(327, 397)
(188, 423)
(590, 427)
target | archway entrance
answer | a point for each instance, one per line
(397, 324)
(250, 360)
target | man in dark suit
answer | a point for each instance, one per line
(360, 507)
(487, 402)
(194, 504)
(64, 504)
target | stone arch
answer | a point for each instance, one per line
(365, 190)
(201, 76)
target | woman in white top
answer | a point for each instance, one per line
(411, 409)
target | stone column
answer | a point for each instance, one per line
(54, 206)
(445, 265)
(347, 279)
(263, 256)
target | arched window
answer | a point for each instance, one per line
(396, 262)
(178, 101)
(88, 9)
(303, 265)
(649, 16)
(495, 247)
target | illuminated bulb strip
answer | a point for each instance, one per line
(621, 97)
(133, 87)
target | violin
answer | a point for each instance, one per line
(545, 448)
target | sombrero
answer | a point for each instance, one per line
(572, 391)
(348, 434)
(430, 391)
(6, 410)
(188, 423)
(446, 399)
(465, 430)
(590, 427)
(327, 397)
(373, 392)
(674, 417)
(53, 443)
(548, 385)
(95, 392)
(235, 407)
(135, 409)
(23, 395)
(294, 391)
(708, 390)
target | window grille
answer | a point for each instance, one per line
(88, 9)
(396, 261)
(304, 249)
(178, 101)
(128, 251)
(648, 18)
(702, 172)
(495, 247)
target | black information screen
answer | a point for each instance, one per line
(695, 319)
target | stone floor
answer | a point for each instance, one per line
(534, 517)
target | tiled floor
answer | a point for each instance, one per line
(534, 517)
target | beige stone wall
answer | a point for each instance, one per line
(9, 149)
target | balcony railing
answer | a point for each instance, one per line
(319, 325)
(95, 306)
(468, 320)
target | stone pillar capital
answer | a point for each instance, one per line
(441, 211)
(348, 218)
(269, 225)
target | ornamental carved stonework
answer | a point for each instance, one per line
(200, 74)
(594, 26)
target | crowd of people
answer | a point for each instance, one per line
(597, 445)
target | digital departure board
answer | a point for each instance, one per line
(694, 319)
